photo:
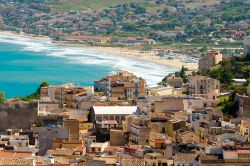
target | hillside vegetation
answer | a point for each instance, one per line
(65, 5)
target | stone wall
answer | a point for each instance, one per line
(17, 114)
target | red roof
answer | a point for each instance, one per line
(79, 149)
(20, 155)
(110, 122)
(246, 124)
(113, 147)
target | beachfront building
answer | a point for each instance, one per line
(211, 59)
(122, 85)
(88, 39)
(203, 85)
(133, 40)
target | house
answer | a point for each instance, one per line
(175, 82)
(243, 103)
(20, 143)
(97, 147)
(45, 105)
(245, 129)
(156, 159)
(238, 81)
(163, 146)
(186, 159)
(140, 134)
(168, 103)
(117, 137)
(174, 127)
(162, 91)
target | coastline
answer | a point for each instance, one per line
(146, 56)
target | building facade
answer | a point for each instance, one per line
(203, 85)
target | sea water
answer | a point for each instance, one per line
(26, 62)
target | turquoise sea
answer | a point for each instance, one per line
(25, 63)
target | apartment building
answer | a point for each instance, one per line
(203, 85)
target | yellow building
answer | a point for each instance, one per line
(245, 129)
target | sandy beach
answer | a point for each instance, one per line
(149, 56)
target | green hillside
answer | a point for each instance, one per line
(63, 5)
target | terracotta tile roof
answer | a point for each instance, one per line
(108, 160)
(79, 149)
(111, 122)
(59, 152)
(133, 162)
(185, 156)
(246, 123)
(15, 162)
(83, 120)
(245, 151)
(208, 157)
(4, 154)
(113, 148)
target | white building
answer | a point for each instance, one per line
(118, 113)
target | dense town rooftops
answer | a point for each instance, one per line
(16, 162)
(8, 154)
(185, 156)
(133, 162)
(112, 110)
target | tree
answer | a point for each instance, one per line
(2, 97)
(183, 74)
(43, 84)
(226, 77)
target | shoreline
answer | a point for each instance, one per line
(136, 54)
